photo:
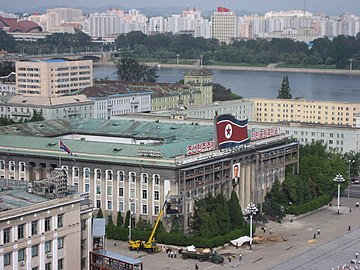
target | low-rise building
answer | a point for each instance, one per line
(22, 107)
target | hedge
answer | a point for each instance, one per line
(309, 206)
(171, 238)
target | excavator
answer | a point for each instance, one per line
(150, 245)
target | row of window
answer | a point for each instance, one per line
(285, 105)
(21, 229)
(34, 253)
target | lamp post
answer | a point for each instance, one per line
(251, 209)
(130, 220)
(201, 59)
(339, 179)
(351, 63)
(177, 59)
(350, 162)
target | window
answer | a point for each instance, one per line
(109, 175)
(98, 203)
(144, 209)
(34, 250)
(156, 195)
(132, 177)
(48, 246)
(87, 173)
(156, 179)
(132, 193)
(156, 209)
(60, 264)
(21, 231)
(21, 254)
(60, 221)
(98, 189)
(145, 178)
(47, 224)
(76, 172)
(109, 205)
(6, 236)
(60, 242)
(34, 226)
(144, 194)
(7, 259)
(121, 176)
(98, 174)
(48, 266)
(121, 192)
(109, 190)
(87, 187)
(83, 224)
(121, 206)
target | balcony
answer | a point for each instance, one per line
(21, 114)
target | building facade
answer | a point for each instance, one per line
(224, 25)
(202, 80)
(305, 111)
(53, 77)
(133, 165)
(41, 233)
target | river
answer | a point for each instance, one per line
(265, 84)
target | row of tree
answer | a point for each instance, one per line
(168, 46)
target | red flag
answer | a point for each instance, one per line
(230, 131)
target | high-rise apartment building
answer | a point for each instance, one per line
(224, 25)
(53, 77)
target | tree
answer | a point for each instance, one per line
(220, 93)
(6, 67)
(119, 219)
(236, 216)
(110, 220)
(285, 90)
(127, 219)
(8, 42)
(130, 70)
(37, 116)
(100, 214)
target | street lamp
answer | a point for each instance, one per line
(177, 59)
(130, 220)
(339, 179)
(251, 209)
(201, 59)
(350, 162)
(351, 63)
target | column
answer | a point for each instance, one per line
(242, 186)
(248, 184)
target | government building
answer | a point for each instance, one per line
(135, 164)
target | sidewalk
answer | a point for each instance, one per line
(271, 254)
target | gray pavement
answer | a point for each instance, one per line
(335, 246)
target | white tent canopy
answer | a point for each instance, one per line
(239, 241)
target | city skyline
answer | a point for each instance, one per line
(331, 7)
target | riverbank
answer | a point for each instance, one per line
(270, 68)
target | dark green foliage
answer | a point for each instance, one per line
(127, 219)
(309, 206)
(110, 220)
(6, 67)
(37, 116)
(119, 219)
(273, 202)
(211, 217)
(100, 214)
(130, 70)
(4, 121)
(8, 42)
(235, 212)
(285, 90)
(220, 93)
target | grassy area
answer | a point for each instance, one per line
(181, 62)
(303, 66)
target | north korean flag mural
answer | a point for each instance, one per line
(231, 131)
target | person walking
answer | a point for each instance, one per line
(196, 266)
(270, 231)
(356, 255)
(318, 231)
(240, 256)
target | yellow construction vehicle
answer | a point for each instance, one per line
(150, 245)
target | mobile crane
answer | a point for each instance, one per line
(150, 245)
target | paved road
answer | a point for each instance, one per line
(335, 245)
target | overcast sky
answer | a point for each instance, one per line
(331, 7)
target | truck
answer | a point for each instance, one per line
(150, 245)
(213, 257)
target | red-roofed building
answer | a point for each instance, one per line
(12, 25)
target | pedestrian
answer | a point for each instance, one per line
(240, 256)
(349, 228)
(356, 255)
(314, 237)
(196, 266)
(229, 258)
(175, 254)
(318, 231)
(270, 231)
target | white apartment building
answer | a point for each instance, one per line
(224, 25)
(37, 232)
(52, 77)
(104, 25)
(7, 85)
(20, 107)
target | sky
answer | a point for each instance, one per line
(331, 7)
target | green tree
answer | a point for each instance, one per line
(6, 67)
(285, 90)
(236, 216)
(8, 42)
(110, 220)
(127, 219)
(130, 70)
(4, 121)
(37, 116)
(100, 214)
(220, 93)
(119, 219)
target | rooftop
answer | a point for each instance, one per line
(17, 198)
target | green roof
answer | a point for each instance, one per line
(41, 138)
